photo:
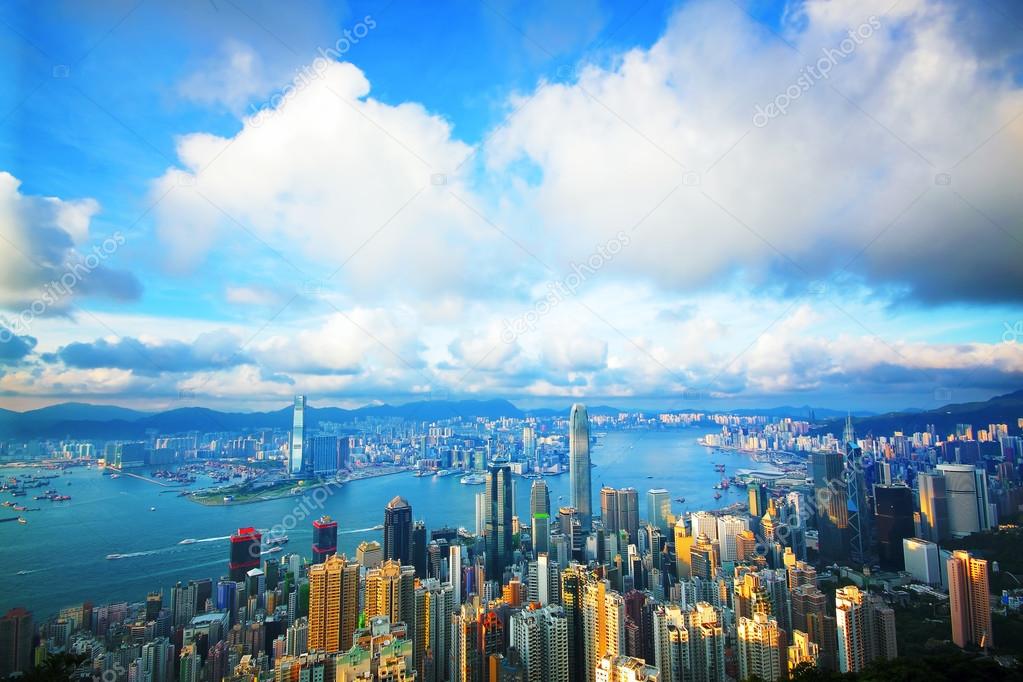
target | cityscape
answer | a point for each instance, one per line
(511, 341)
(824, 554)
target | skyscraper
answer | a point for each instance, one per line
(324, 538)
(757, 493)
(498, 522)
(245, 552)
(16, 634)
(966, 492)
(297, 463)
(540, 515)
(619, 510)
(832, 509)
(579, 465)
(529, 451)
(398, 530)
(893, 513)
(434, 605)
(969, 600)
(333, 604)
(658, 509)
(933, 507)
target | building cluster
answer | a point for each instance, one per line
(624, 591)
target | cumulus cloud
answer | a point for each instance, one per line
(13, 347)
(47, 257)
(211, 350)
(883, 172)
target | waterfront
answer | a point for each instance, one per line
(59, 557)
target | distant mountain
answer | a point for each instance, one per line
(592, 410)
(800, 412)
(76, 420)
(1003, 409)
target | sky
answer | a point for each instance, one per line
(730, 203)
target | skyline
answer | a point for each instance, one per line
(760, 203)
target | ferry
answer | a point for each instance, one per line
(273, 550)
(188, 541)
(473, 479)
(378, 527)
(21, 520)
(680, 500)
(276, 540)
(115, 556)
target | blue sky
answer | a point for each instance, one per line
(733, 203)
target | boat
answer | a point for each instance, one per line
(276, 540)
(115, 556)
(273, 550)
(152, 509)
(717, 496)
(473, 479)
(21, 520)
(378, 527)
(188, 541)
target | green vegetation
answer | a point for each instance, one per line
(1001, 546)
(244, 493)
(950, 665)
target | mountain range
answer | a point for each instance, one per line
(83, 420)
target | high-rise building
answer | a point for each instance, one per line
(540, 517)
(324, 538)
(434, 605)
(619, 510)
(333, 604)
(16, 634)
(529, 451)
(832, 508)
(398, 531)
(579, 465)
(893, 520)
(498, 525)
(933, 507)
(966, 492)
(758, 498)
(658, 509)
(369, 554)
(323, 454)
(852, 630)
(455, 573)
(296, 460)
(703, 560)
(390, 592)
(728, 529)
(683, 543)
(419, 549)
(969, 600)
(540, 638)
(603, 625)
(921, 560)
(245, 553)
(760, 648)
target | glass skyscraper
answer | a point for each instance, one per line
(297, 437)
(579, 465)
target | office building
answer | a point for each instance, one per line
(324, 538)
(245, 553)
(758, 498)
(966, 493)
(579, 465)
(619, 509)
(540, 517)
(16, 633)
(398, 531)
(921, 560)
(297, 463)
(498, 524)
(969, 600)
(893, 521)
(369, 554)
(658, 509)
(832, 507)
(933, 507)
(728, 529)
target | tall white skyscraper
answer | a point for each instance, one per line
(455, 573)
(579, 465)
(297, 437)
(729, 528)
